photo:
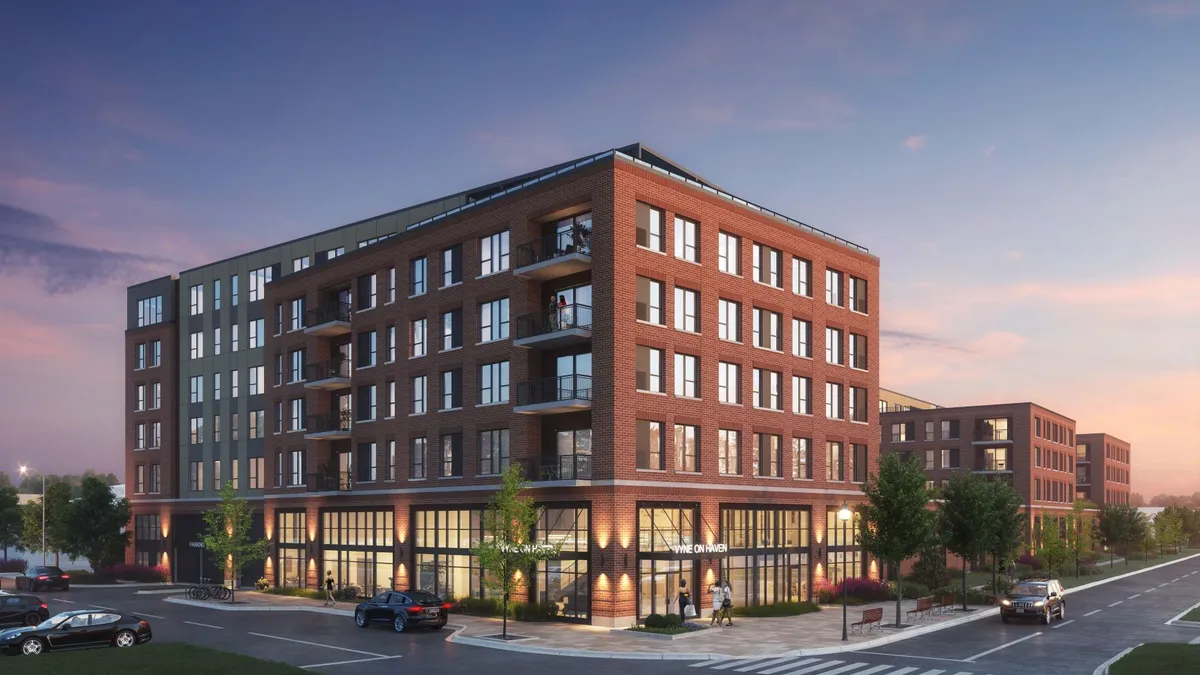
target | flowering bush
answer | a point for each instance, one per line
(142, 573)
(857, 588)
(262, 584)
(692, 626)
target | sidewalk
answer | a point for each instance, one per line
(808, 634)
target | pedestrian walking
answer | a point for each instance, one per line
(329, 599)
(726, 604)
(718, 596)
(685, 601)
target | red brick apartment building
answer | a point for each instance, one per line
(1103, 469)
(690, 382)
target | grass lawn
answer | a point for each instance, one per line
(1159, 659)
(151, 659)
(1069, 580)
(1193, 615)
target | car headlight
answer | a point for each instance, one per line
(1006, 603)
(1039, 603)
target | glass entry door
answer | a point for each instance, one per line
(658, 585)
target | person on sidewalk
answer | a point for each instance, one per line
(726, 604)
(329, 599)
(718, 595)
(685, 599)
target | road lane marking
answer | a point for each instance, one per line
(1064, 623)
(69, 602)
(1150, 590)
(1176, 579)
(1003, 646)
(845, 668)
(204, 625)
(780, 669)
(1135, 595)
(1094, 611)
(908, 656)
(343, 663)
(902, 671)
(1161, 585)
(876, 669)
(103, 607)
(1195, 642)
(705, 664)
(756, 666)
(152, 616)
(813, 669)
(1116, 603)
(316, 644)
(739, 662)
(933, 672)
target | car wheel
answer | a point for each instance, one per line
(360, 619)
(33, 588)
(399, 623)
(1046, 617)
(1062, 612)
(437, 626)
(31, 647)
(1004, 618)
(32, 619)
(125, 638)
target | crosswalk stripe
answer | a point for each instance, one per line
(963, 672)
(876, 669)
(933, 672)
(780, 669)
(739, 662)
(705, 664)
(768, 664)
(813, 669)
(905, 671)
(843, 669)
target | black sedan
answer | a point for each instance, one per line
(21, 609)
(403, 610)
(76, 630)
(44, 577)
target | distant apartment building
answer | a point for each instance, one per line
(1103, 471)
(894, 401)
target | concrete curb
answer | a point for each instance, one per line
(1129, 574)
(131, 584)
(1102, 669)
(169, 591)
(1177, 620)
(259, 608)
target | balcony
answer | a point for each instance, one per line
(993, 466)
(562, 327)
(563, 467)
(329, 426)
(328, 375)
(330, 482)
(328, 320)
(983, 436)
(554, 256)
(554, 395)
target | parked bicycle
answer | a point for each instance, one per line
(207, 590)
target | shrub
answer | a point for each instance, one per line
(13, 565)
(477, 606)
(494, 607)
(858, 591)
(138, 573)
(777, 609)
(532, 611)
(672, 620)
(930, 568)
(347, 593)
(655, 621)
(293, 592)
(1032, 561)
(262, 584)
(692, 626)
(911, 590)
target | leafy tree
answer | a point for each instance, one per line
(227, 535)
(1148, 541)
(896, 522)
(1079, 529)
(1121, 524)
(508, 547)
(93, 524)
(1191, 526)
(10, 519)
(1007, 525)
(963, 518)
(930, 567)
(1136, 499)
(58, 503)
(1168, 526)
(1054, 549)
(5, 481)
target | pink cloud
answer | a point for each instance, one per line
(1165, 295)
(916, 142)
(912, 359)
(989, 151)
(1175, 10)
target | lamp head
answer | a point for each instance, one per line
(844, 513)
(24, 469)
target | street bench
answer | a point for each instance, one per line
(924, 608)
(946, 604)
(871, 619)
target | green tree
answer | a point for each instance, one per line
(896, 522)
(227, 536)
(1191, 526)
(1168, 526)
(1121, 524)
(58, 503)
(963, 517)
(10, 519)
(1054, 549)
(93, 524)
(5, 481)
(508, 544)
(1006, 527)
(1079, 530)
(1148, 541)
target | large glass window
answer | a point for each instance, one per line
(565, 583)
(291, 536)
(662, 528)
(357, 546)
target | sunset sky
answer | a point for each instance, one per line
(1028, 176)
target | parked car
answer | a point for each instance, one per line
(76, 630)
(21, 609)
(1034, 599)
(403, 610)
(37, 578)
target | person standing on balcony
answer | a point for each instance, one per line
(564, 313)
(552, 316)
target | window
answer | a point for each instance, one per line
(297, 316)
(995, 429)
(729, 452)
(296, 468)
(416, 458)
(389, 462)
(902, 432)
(139, 442)
(949, 429)
(858, 404)
(367, 349)
(258, 424)
(375, 240)
(301, 263)
(296, 423)
(391, 399)
(451, 459)
(687, 376)
(216, 428)
(995, 459)
(258, 334)
(930, 459)
(155, 435)
(141, 398)
(216, 342)
(234, 427)
(729, 320)
(729, 383)
(768, 329)
(767, 455)
(493, 452)
(950, 458)
(139, 356)
(155, 353)
(493, 253)
(278, 369)
(687, 310)
(197, 295)
(493, 320)
(197, 343)
(368, 287)
(858, 351)
(768, 263)
(367, 403)
(452, 265)
(802, 338)
(801, 466)
(835, 470)
(858, 463)
(155, 479)
(452, 329)
(368, 467)
(833, 401)
(420, 393)
(233, 291)
(216, 475)
(418, 337)
(196, 435)
(258, 382)
(729, 253)
(451, 389)
(155, 395)
(233, 384)
(768, 389)
(391, 344)
(649, 445)
(296, 365)
(650, 300)
(649, 369)
(196, 476)
(149, 311)
(687, 438)
(858, 295)
(493, 383)
(802, 277)
(650, 227)
(233, 337)
(833, 288)
(196, 389)
(417, 271)
(278, 417)
(833, 346)
(929, 431)
(801, 395)
(687, 240)
(258, 282)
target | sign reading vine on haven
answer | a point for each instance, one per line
(697, 549)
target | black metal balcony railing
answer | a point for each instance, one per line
(563, 467)
(326, 422)
(329, 312)
(324, 481)
(328, 370)
(555, 389)
(990, 434)
(554, 246)
(549, 321)
(994, 465)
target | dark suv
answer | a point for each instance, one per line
(18, 609)
(1034, 599)
(37, 578)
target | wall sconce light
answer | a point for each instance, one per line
(602, 557)
(311, 548)
(270, 549)
(625, 560)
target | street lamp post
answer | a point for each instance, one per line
(844, 516)
(25, 472)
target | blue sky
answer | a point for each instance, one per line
(1027, 174)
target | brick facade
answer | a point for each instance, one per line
(1104, 469)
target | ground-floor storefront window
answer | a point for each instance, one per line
(768, 553)
(766, 579)
(451, 576)
(358, 547)
(291, 555)
(658, 585)
(147, 538)
(566, 582)
(444, 564)
(843, 564)
(666, 533)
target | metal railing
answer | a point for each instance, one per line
(328, 312)
(990, 434)
(329, 481)
(563, 467)
(554, 389)
(551, 246)
(549, 321)
(326, 422)
(327, 370)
